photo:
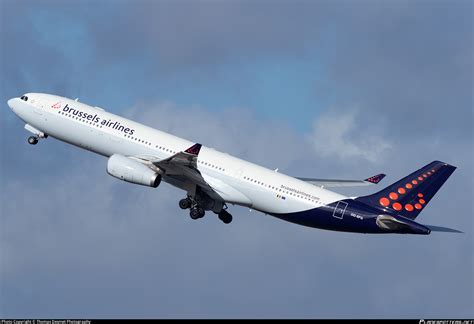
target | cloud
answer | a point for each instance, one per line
(337, 135)
(234, 130)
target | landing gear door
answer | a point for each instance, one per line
(340, 209)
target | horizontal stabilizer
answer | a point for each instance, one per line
(442, 229)
(331, 183)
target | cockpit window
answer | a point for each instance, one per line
(24, 98)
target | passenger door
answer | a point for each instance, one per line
(340, 209)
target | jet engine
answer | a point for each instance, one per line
(129, 170)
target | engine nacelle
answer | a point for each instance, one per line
(129, 170)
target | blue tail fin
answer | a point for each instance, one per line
(410, 195)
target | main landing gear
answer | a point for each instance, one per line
(225, 217)
(196, 211)
(185, 203)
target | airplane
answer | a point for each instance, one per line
(214, 180)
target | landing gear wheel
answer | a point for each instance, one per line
(201, 212)
(196, 213)
(225, 217)
(185, 203)
(33, 140)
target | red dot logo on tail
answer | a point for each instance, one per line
(57, 105)
(384, 201)
(393, 196)
(397, 206)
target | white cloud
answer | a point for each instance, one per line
(337, 134)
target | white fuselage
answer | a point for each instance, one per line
(235, 180)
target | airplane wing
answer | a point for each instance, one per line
(183, 161)
(183, 164)
(328, 183)
(183, 167)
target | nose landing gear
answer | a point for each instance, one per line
(33, 140)
(37, 134)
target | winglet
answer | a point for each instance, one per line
(194, 150)
(376, 178)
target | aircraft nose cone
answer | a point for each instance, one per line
(11, 102)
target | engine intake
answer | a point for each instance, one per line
(129, 170)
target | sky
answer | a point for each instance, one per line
(325, 89)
